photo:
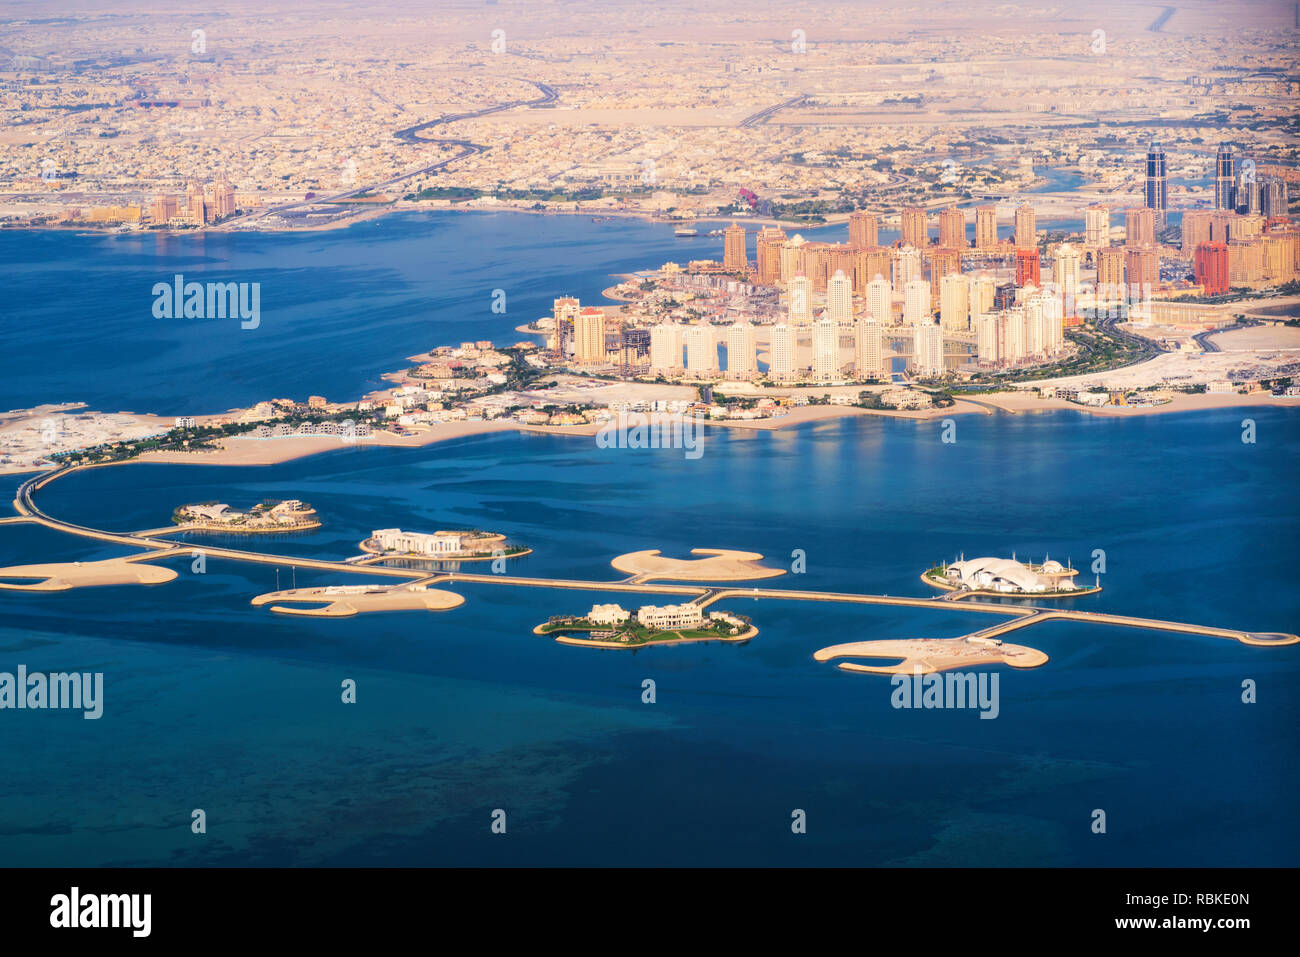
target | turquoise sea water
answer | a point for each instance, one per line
(211, 703)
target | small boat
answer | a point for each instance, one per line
(685, 232)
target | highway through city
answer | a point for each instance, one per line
(768, 112)
(409, 135)
(1148, 349)
(1203, 339)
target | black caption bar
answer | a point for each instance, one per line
(170, 907)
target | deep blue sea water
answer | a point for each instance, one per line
(214, 704)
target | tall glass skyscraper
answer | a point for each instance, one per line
(1157, 191)
(1225, 180)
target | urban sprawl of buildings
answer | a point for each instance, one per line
(829, 311)
(1023, 190)
(682, 110)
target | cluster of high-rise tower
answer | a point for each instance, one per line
(1247, 239)
(848, 307)
(914, 290)
(200, 206)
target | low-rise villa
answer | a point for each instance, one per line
(419, 543)
(269, 515)
(608, 615)
(669, 617)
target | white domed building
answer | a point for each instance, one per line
(1009, 576)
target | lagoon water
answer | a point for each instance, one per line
(213, 704)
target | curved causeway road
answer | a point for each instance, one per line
(1021, 615)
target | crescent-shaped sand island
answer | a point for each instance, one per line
(720, 565)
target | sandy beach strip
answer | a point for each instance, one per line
(1024, 401)
(240, 450)
(243, 450)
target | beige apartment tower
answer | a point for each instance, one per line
(793, 258)
(826, 349)
(742, 351)
(767, 256)
(927, 349)
(701, 351)
(799, 301)
(880, 300)
(1026, 227)
(1066, 271)
(589, 336)
(839, 298)
(870, 263)
(1142, 267)
(1110, 273)
(781, 362)
(195, 205)
(986, 227)
(907, 265)
(952, 228)
(916, 301)
(1096, 226)
(913, 227)
(943, 262)
(734, 255)
(868, 350)
(1139, 227)
(864, 230)
(954, 303)
(1245, 261)
(666, 346)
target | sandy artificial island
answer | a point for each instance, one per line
(342, 601)
(64, 575)
(722, 565)
(927, 655)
